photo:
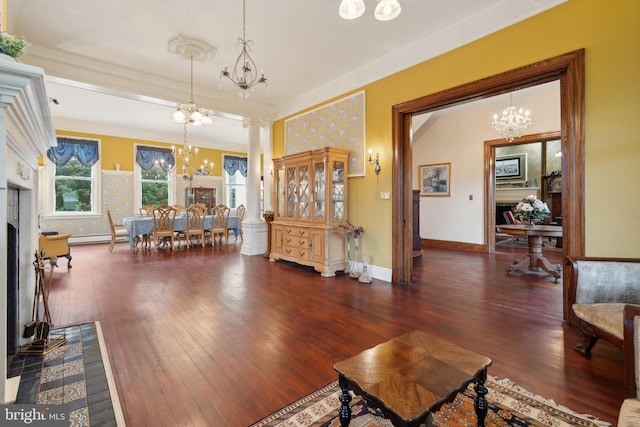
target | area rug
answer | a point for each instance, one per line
(75, 377)
(509, 405)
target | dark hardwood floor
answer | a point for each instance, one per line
(210, 337)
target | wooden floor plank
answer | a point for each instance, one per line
(213, 337)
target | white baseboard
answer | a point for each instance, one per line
(96, 238)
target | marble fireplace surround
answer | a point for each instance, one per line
(26, 132)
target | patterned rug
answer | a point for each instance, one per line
(509, 405)
(73, 380)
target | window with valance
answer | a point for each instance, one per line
(75, 173)
(148, 157)
(154, 178)
(85, 151)
(232, 164)
(235, 183)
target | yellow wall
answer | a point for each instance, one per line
(610, 34)
(115, 149)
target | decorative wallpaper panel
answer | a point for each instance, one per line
(340, 124)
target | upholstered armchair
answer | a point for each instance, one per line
(598, 290)
(630, 410)
(55, 245)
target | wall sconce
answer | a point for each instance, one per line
(375, 161)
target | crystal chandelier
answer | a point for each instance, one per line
(386, 10)
(186, 154)
(193, 49)
(512, 122)
(244, 75)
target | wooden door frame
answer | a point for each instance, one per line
(490, 181)
(569, 70)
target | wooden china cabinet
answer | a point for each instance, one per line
(311, 199)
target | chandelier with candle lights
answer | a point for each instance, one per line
(244, 75)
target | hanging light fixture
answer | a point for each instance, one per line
(351, 9)
(187, 155)
(512, 122)
(244, 75)
(386, 10)
(192, 49)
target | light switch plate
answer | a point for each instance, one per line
(385, 195)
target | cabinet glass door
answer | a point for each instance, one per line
(337, 191)
(305, 192)
(292, 191)
(280, 192)
(318, 191)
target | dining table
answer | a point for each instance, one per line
(534, 260)
(143, 225)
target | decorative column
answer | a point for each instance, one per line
(255, 230)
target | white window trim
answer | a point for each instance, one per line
(225, 184)
(49, 187)
(137, 182)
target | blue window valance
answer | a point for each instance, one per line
(85, 150)
(232, 164)
(148, 157)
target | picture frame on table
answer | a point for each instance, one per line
(435, 179)
(511, 168)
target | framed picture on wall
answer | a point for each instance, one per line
(435, 179)
(511, 168)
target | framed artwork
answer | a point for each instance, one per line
(511, 168)
(435, 179)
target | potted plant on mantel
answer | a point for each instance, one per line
(12, 46)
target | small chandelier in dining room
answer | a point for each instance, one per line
(512, 122)
(386, 10)
(191, 49)
(187, 154)
(244, 74)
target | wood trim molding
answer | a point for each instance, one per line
(445, 244)
(569, 70)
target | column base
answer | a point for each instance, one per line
(255, 237)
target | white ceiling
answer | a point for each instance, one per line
(108, 65)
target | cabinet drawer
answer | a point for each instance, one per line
(296, 252)
(296, 231)
(295, 241)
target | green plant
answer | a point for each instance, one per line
(12, 45)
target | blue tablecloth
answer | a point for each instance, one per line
(140, 225)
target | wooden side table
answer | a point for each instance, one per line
(411, 376)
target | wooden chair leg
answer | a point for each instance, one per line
(585, 347)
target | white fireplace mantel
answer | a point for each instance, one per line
(26, 133)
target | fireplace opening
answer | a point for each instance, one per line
(12, 289)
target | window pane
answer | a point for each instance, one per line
(73, 195)
(155, 193)
(155, 173)
(73, 168)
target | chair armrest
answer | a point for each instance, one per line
(631, 350)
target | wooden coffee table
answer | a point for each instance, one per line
(411, 376)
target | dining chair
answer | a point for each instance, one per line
(240, 211)
(180, 210)
(220, 223)
(147, 210)
(163, 225)
(194, 224)
(117, 230)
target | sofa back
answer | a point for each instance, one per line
(603, 281)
